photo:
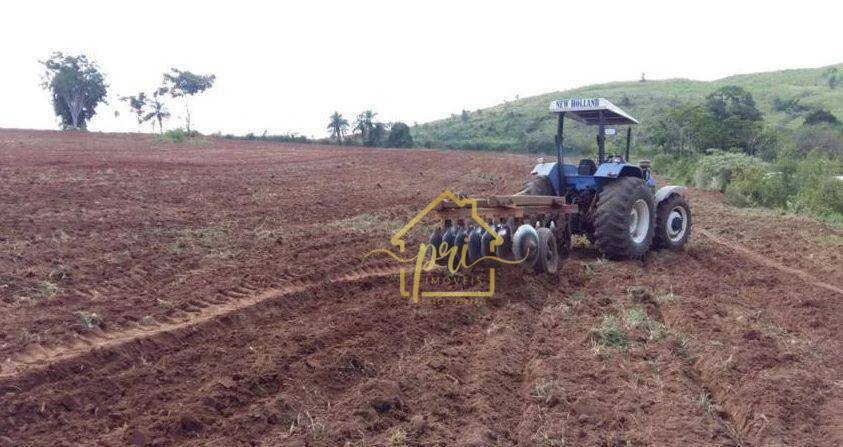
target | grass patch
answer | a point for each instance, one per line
(704, 401)
(397, 437)
(41, 291)
(45, 290)
(547, 392)
(545, 439)
(667, 298)
(177, 136)
(610, 334)
(90, 320)
(635, 318)
(364, 224)
(148, 320)
(578, 297)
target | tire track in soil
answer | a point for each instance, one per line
(195, 314)
(750, 388)
(577, 392)
(767, 262)
(493, 384)
(463, 384)
(235, 363)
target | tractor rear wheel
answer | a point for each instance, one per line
(538, 186)
(625, 222)
(673, 223)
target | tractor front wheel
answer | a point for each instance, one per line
(625, 219)
(673, 223)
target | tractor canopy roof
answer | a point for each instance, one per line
(587, 111)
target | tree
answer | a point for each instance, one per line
(338, 126)
(378, 133)
(76, 85)
(733, 119)
(819, 116)
(137, 104)
(364, 123)
(831, 77)
(157, 109)
(681, 129)
(732, 100)
(399, 135)
(186, 84)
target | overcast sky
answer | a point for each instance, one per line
(285, 66)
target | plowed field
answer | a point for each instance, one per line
(214, 293)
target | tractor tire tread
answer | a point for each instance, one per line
(611, 229)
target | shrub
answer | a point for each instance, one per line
(678, 167)
(809, 185)
(178, 135)
(819, 191)
(823, 137)
(770, 189)
(716, 170)
(820, 116)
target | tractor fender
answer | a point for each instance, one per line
(615, 170)
(666, 191)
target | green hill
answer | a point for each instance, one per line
(526, 124)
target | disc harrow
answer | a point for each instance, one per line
(534, 231)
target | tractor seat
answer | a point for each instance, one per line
(586, 167)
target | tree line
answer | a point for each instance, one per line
(77, 86)
(369, 132)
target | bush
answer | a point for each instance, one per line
(820, 116)
(678, 167)
(753, 189)
(808, 186)
(716, 170)
(178, 135)
(819, 191)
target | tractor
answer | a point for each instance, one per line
(610, 201)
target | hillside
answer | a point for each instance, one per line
(526, 125)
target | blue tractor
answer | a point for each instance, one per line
(612, 202)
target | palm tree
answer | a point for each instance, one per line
(338, 126)
(364, 123)
(158, 111)
(137, 104)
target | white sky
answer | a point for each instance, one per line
(286, 66)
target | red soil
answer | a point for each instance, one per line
(232, 308)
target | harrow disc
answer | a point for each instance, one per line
(474, 244)
(460, 239)
(525, 243)
(485, 244)
(548, 254)
(448, 239)
(505, 231)
(435, 239)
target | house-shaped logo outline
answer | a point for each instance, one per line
(397, 241)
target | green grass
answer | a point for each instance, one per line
(610, 333)
(177, 136)
(526, 125)
(89, 320)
